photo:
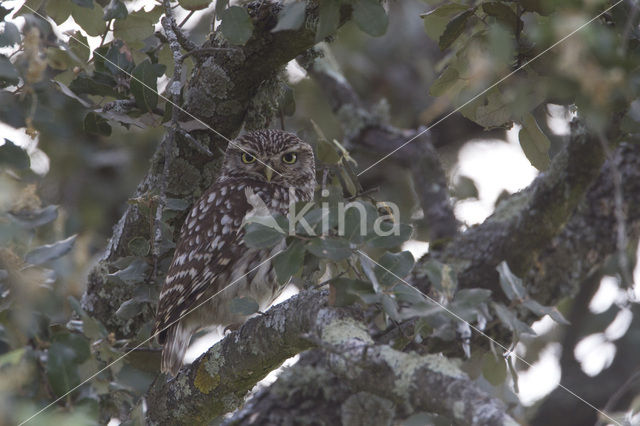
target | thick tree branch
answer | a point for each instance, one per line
(366, 130)
(217, 382)
(525, 224)
(589, 237)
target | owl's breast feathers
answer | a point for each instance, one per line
(211, 239)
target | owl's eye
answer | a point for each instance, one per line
(248, 158)
(289, 158)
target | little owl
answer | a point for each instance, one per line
(211, 254)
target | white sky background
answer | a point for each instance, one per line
(494, 166)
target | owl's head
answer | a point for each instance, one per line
(272, 156)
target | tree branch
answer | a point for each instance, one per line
(526, 223)
(217, 381)
(365, 130)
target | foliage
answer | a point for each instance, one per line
(98, 115)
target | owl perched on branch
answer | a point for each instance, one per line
(211, 255)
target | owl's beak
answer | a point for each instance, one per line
(268, 172)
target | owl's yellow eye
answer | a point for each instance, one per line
(248, 158)
(289, 158)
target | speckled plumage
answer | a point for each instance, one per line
(211, 254)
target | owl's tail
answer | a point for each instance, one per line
(175, 346)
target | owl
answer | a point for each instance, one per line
(210, 253)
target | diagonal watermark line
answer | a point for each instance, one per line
(491, 87)
(169, 101)
(147, 340)
(507, 350)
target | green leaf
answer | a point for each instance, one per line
(509, 319)
(236, 25)
(221, 6)
(511, 284)
(63, 356)
(134, 273)
(90, 327)
(9, 34)
(393, 267)
(50, 252)
(118, 58)
(291, 17)
(329, 19)
(243, 306)
(11, 155)
(100, 84)
(494, 369)
(331, 248)
(129, 309)
(32, 5)
(59, 10)
(137, 26)
(542, 7)
(289, 262)
(390, 241)
(139, 246)
(370, 17)
(447, 79)
(88, 4)
(78, 44)
(258, 235)
(11, 110)
(490, 110)
(144, 84)
(313, 218)
(542, 310)
(90, 19)
(465, 188)
(59, 59)
(534, 143)
(194, 4)
(35, 218)
(95, 124)
(346, 291)
(502, 13)
(436, 20)
(471, 297)
(8, 73)
(454, 29)
(433, 269)
(390, 307)
(358, 221)
(115, 10)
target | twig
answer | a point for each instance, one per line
(179, 36)
(106, 31)
(611, 403)
(186, 18)
(621, 220)
(169, 140)
(119, 105)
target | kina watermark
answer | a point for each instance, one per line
(326, 218)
